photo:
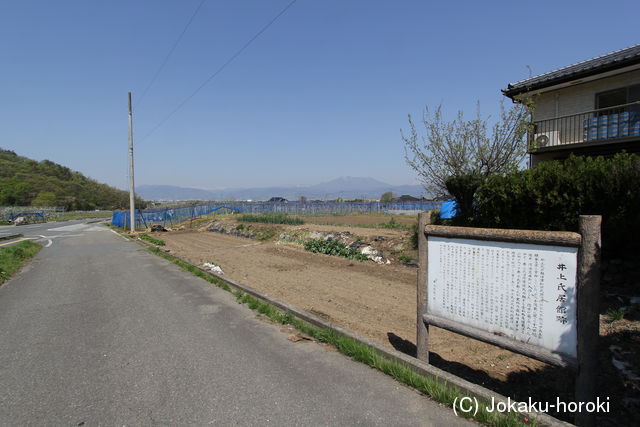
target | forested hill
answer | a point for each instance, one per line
(26, 182)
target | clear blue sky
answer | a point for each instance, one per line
(322, 93)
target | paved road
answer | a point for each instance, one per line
(97, 330)
(45, 232)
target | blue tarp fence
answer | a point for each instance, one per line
(175, 215)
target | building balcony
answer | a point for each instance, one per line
(602, 131)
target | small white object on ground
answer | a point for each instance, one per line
(213, 267)
(372, 254)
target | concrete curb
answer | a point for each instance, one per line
(481, 393)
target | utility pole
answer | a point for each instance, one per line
(132, 195)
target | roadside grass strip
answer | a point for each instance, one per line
(14, 257)
(152, 239)
(440, 391)
(191, 268)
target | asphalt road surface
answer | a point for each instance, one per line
(96, 330)
(44, 232)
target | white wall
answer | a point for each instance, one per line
(579, 98)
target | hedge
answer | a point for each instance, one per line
(552, 195)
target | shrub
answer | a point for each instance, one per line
(552, 195)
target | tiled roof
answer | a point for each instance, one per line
(610, 61)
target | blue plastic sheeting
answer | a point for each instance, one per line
(118, 218)
(166, 216)
(171, 216)
(448, 209)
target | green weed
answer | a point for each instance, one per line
(615, 314)
(12, 258)
(273, 218)
(152, 240)
(265, 233)
(333, 247)
(405, 259)
(392, 224)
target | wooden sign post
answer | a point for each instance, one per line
(531, 292)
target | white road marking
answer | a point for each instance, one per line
(115, 232)
(49, 243)
(74, 227)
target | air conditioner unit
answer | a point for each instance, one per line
(546, 139)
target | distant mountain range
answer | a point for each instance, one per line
(348, 188)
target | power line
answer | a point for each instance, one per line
(166, 59)
(219, 70)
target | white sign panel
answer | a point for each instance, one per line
(522, 291)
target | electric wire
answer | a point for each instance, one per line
(219, 70)
(166, 59)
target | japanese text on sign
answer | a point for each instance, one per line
(523, 291)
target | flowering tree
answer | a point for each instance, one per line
(465, 148)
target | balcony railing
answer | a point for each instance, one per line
(597, 126)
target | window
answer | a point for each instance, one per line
(615, 97)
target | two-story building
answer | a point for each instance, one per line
(588, 108)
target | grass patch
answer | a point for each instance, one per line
(3, 222)
(334, 247)
(615, 315)
(152, 240)
(12, 258)
(391, 224)
(275, 218)
(440, 391)
(265, 233)
(405, 259)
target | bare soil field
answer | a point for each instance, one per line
(378, 301)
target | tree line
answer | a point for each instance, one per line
(26, 182)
